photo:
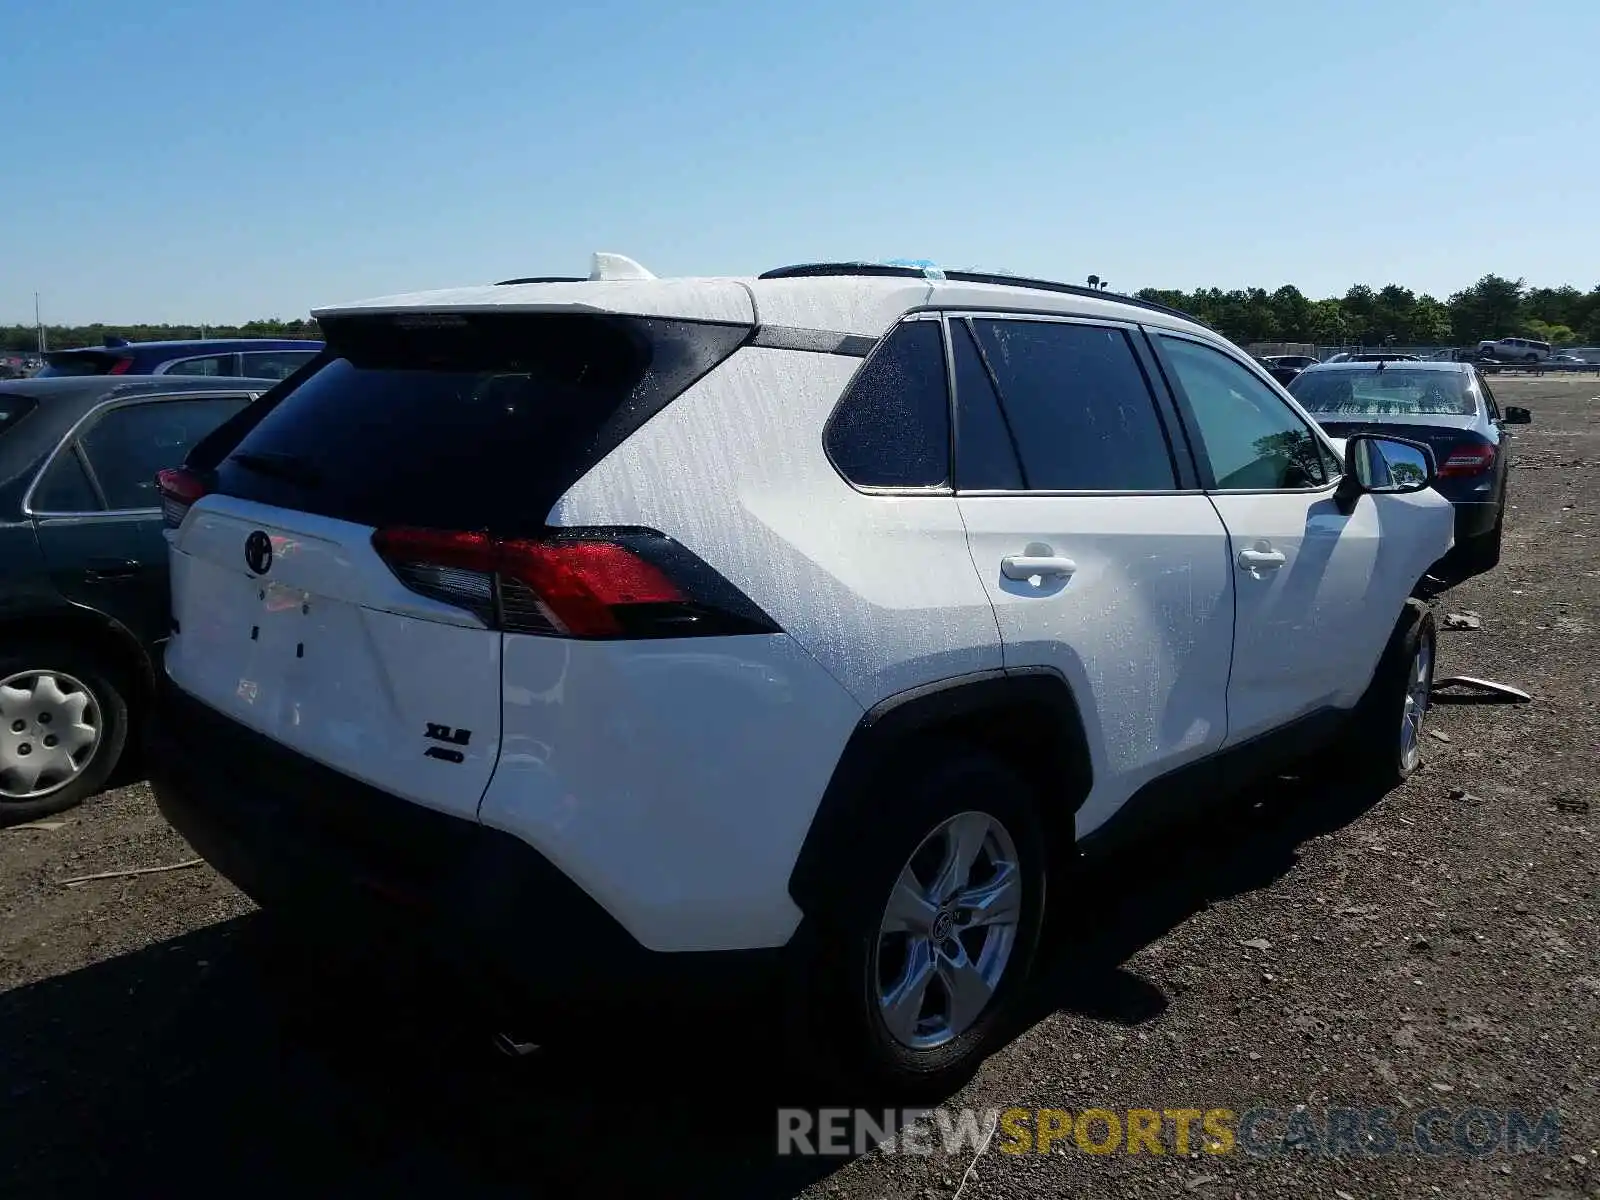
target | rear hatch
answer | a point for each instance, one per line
(343, 575)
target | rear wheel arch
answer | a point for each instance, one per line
(108, 641)
(1027, 719)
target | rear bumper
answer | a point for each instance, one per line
(353, 861)
(1475, 518)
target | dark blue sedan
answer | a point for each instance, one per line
(1449, 406)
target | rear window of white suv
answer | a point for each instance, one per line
(464, 421)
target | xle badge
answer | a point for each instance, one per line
(258, 553)
(455, 737)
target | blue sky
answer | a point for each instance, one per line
(223, 161)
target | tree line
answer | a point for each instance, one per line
(1393, 315)
(1491, 308)
(24, 339)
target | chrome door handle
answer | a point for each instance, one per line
(109, 570)
(1261, 560)
(1025, 566)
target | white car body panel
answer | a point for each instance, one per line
(672, 780)
(880, 589)
(680, 299)
(864, 305)
(979, 297)
(1141, 630)
(1308, 633)
(329, 655)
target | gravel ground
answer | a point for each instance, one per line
(1435, 947)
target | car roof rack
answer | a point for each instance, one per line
(898, 271)
(544, 279)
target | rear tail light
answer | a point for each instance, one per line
(1469, 458)
(120, 367)
(179, 488)
(627, 583)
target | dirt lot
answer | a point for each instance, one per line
(1434, 947)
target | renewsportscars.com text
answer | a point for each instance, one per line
(1261, 1132)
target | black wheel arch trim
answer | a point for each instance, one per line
(889, 726)
(61, 617)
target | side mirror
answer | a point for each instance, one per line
(1517, 416)
(1383, 466)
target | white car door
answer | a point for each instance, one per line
(1103, 562)
(1317, 589)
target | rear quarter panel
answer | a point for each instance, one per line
(880, 589)
(25, 588)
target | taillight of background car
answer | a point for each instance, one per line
(1468, 458)
(179, 488)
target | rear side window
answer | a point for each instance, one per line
(1079, 406)
(892, 428)
(65, 487)
(128, 445)
(986, 453)
(208, 365)
(465, 422)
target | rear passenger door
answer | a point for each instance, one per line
(97, 513)
(1103, 559)
(1315, 603)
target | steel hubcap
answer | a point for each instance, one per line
(49, 731)
(948, 931)
(1418, 687)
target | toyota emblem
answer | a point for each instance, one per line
(258, 553)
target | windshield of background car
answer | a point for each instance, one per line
(1389, 392)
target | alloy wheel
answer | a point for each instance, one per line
(1419, 683)
(948, 931)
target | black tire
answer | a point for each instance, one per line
(836, 1031)
(109, 696)
(1372, 749)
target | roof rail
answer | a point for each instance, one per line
(544, 279)
(819, 270)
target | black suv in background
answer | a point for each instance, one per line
(83, 568)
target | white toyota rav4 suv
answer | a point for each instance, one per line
(625, 635)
